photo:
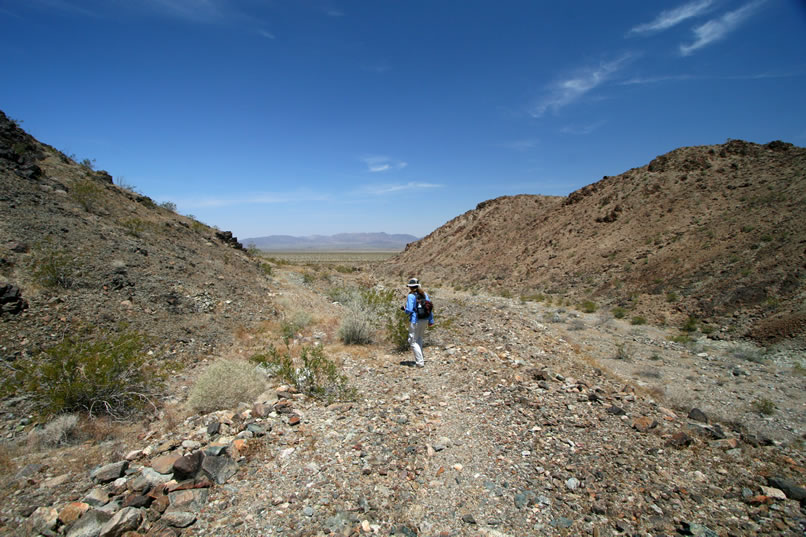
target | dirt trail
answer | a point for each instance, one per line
(510, 429)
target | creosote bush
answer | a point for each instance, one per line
(356, 328)
(53, 268)
(312, 373)
(588, 306)
(224, 384)
(94, 373)
(87, 193)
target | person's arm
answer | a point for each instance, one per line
(411, 304)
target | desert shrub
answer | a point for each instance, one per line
(690, 325)
(799, 369)
(622, 352)
(763, 406)
(224, 384)
(671, 296)
(588, 306)
(681, 338)
(618, 312)
(505, 293)
(267, 269)
(88, 163)
(538, 297)
(368, 311)
(308, 278)
(344, 269)
(397, 330)
(356, 328)
(168, 205)
(87, 193)
(99, 374)
(134, 226)
(59, 431)
(751, 354)
(576, 324)
(53, 268)
(312, 373)
(638, 320)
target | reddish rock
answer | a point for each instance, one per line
(164, 464)
(72, 512)
(644, 424)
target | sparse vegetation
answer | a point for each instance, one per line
(638, 320)
(98, 374)
(356, 328)
(53, 268)
(618, 312)
(87, 193)
(690, 325)
(312, 373)
(622, 352)
(588, 306)
(61, 430)
(763, 406)
(169, 206)
(224, 384)
(751, 354)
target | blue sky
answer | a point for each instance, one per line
(325, 116)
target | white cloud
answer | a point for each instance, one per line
(521, 145)
(333, 12)
(672, 17)
(569, 90)
(390, 188)
(266, 34)
(377, 164)
(583, 129)
(716, 29)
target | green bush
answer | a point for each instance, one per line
(397, 330)
(638, 320)
(134, 226)
(671, 296)
(294, 324)
(224, 384)
(87, 193)
(168, 205)
(690, 325)
(104, 374)
(763, 406)
(588, 306)
(53, 268)
(618, 312)
(312, 373)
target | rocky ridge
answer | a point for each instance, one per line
(712, 231)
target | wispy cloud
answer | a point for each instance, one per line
(377, 67)
(267, 34)
(377, 164)
(583, 129)
(192, 10)
(333, 12)
(564, 92)
(716, 29)
(66, 7)
(391, 188)
(521, 145)
(259, 198)
(639, 80)
(672, 17)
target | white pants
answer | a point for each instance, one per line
(416, 333)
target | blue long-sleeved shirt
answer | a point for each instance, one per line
(411, 308)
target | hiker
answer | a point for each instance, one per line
(418, 306)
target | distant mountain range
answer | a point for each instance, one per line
(341, 241)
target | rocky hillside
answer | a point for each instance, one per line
(714, 232)
(78, 251)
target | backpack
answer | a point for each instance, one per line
(424, 307)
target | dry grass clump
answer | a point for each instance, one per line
(356, 328)
(224, 384)
(61, 430)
